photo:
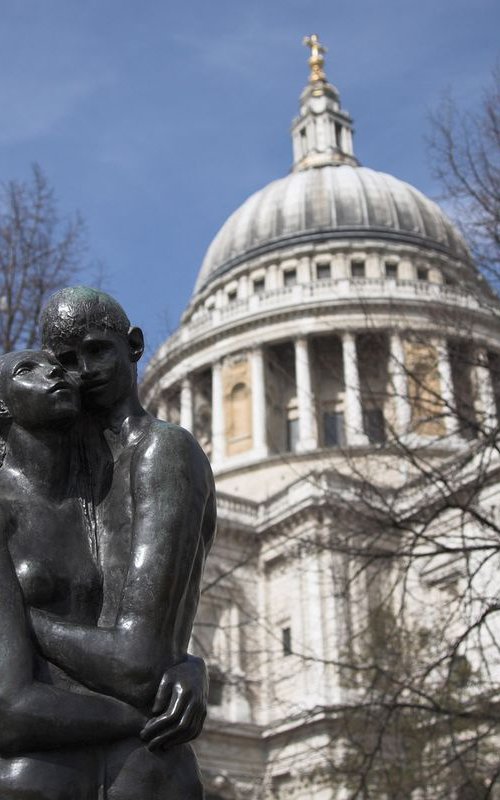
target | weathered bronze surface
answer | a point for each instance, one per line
(106, 516)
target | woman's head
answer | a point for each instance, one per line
(35, 391)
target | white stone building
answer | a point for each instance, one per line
(337, 324)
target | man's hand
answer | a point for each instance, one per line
(180, 705)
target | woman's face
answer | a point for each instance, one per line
(36, 391)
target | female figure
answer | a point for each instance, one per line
(49, 733)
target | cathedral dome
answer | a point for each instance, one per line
(333, 200)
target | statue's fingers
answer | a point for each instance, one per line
(183, 732)
(163, 695)
(157, 725)
(171, 719)
(178, 703)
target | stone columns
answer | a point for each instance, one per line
(308, 437)
(399, 384)
(259, 424)
(187, 416)
(484, 394)
(218, 432)
(446, 386)
(353, 410)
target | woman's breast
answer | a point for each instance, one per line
(52, 557)
(37, 583)
(75, 595)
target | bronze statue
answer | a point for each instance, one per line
(107, 517)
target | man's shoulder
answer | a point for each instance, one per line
(157, 433)
(169, 444)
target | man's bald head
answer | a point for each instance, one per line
(70, 313)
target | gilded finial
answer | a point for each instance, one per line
(316, 60)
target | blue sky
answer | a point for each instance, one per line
(157, 119)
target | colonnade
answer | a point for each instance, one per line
(308, 434)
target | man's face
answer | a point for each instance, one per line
(102, 362)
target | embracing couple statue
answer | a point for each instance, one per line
(106, 518)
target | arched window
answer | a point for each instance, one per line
(239, 423)
(239, 403)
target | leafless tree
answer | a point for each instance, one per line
(465, 156)
(40, 251)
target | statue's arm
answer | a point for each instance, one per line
(173, 524)
(34, 715)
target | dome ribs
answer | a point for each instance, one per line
(317, 200)
(240, 238)
(362, 197)
(380, 208)
(348, 206)
(291, 206)
(329, 178)
(407, 217)
(329, 202)
(265, 219)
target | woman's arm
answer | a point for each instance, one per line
(36, 716)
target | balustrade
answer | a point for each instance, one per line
(333, 290)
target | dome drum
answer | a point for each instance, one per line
(335, 390)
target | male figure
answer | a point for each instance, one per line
(155, 525)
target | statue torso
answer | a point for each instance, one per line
(51, 552)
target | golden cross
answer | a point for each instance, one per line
(316, 59)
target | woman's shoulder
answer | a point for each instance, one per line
(10, 487)
(7, 503)
(14, 495)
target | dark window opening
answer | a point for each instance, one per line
(391, 270)
(231, 297)
(290, 277)
(338, 135)
(422, 274)
(303, 141)
(286, 641)
(292, 435)
(333, 429)
(358, 269)
(494, 367)
(469, 429)
(459, 672)
(462, 362)
(374, 425)
(323, 271)
(259, 286)
(215, 688)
